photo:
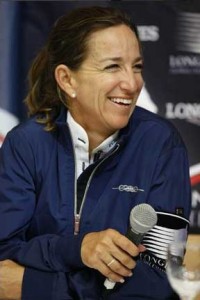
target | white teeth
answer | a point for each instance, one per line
(121, 100)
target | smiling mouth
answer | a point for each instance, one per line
(121, 101)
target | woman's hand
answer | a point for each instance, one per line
(111, 253)
(11, 277)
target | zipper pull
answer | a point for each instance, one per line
(76, 224)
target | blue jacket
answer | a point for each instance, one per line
(37, 194)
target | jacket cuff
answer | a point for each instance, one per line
(37, 285)
(68, 252)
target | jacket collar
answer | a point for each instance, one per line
(124, 133)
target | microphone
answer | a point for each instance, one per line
(142, 218)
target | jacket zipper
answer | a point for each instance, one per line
(77, 215)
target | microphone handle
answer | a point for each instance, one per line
(134, 237)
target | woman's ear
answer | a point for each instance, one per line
(64, 79)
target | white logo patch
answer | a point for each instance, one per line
(128, 188)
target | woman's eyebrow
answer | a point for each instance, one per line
(119, 59)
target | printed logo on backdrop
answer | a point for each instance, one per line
(8, 121)
(189, 112)
(148, 33)
(188, 32)
(187, 40)
(184, 64)
(195, 183)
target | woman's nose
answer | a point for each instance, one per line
(130, 81)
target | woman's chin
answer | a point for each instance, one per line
(120, 123)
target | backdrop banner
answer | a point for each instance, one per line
(170, 35)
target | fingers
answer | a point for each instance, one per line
(116, 271)
(123, 261)
(109, 271)
(111, 262)
(123, 258)
(125, 244)
(109, 252)
(141, 248)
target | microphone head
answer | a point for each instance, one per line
(142, 218)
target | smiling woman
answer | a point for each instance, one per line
(107, 84)
(72, 173)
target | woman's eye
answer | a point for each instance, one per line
(112, 67)
(138, 67)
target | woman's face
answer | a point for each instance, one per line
(108, 82)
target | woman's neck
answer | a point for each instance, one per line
(95, 139)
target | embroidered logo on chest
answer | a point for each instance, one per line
(128, 188)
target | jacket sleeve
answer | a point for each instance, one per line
(170, 195)
(170, 189)
(18, 180)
